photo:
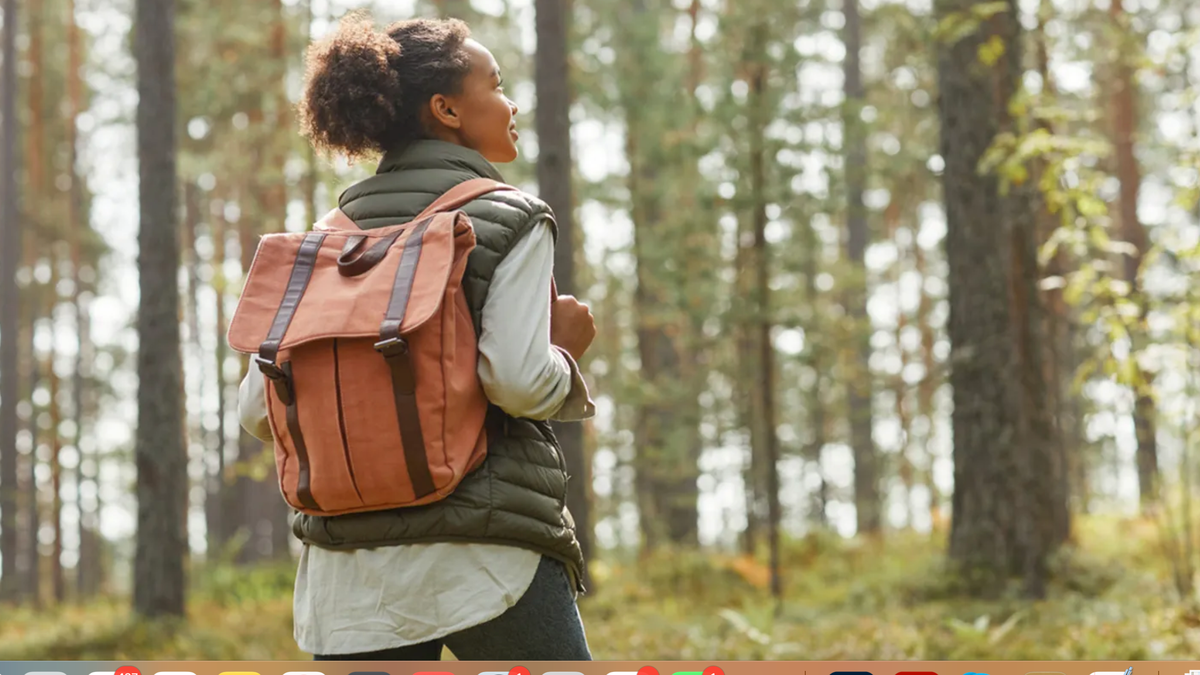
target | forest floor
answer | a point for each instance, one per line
(1111, 599)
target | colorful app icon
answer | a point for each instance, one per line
(916, 672)
(128, 670)
(713, 670)
(688, 672)
(647, 670)
(298, 672)
(519, 670)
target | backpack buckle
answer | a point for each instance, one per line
(392, 347)
(269, 368)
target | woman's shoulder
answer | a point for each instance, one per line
(512, 212)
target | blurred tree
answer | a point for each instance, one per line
(10, 252)
(159, 577)
(763, 393)
(35, 191)
(554, 168)
(667, 456)
(1003, 477)
(860, 383)
(1124, 127)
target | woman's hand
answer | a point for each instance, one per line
(571, 326)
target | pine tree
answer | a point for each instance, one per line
(554, 165)
(1003, 484)
(10, 251)
(159, 583)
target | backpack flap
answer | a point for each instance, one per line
(299, 289)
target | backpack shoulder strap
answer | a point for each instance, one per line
(463, 193)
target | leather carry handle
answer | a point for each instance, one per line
(350, 265)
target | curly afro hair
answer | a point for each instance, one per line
(365, 89)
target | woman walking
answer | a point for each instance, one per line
(491, 571)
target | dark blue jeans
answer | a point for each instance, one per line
(544, 625)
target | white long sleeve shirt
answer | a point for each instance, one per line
(372, 599)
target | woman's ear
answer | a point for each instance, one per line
(443, 112)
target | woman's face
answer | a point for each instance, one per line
(480, 116)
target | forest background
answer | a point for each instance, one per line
(898, 354)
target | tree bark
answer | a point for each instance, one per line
(57, 577)
(667, 456)
(35, 193)
(860, 388)
(217, 524)
(10, 251)
(1124, 129)
(764, 398)
(554, 171)
(159, 577)
(1003, 474)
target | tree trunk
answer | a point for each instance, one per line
(217, 511)
(860, 388)
(927, 388)
(1002, 463)
(57, 577)
(33, 514)
(1124, 128)
(764, 397)
(1059, 349)
(10, 251)
(667, 459)
(35, 192)
(554, 169)
(815, 361)
(77, 222)
(159, 577)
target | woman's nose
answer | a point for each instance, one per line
(513, 105)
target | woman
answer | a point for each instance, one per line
(493, 570)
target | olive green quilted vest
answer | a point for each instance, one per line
(518, 496)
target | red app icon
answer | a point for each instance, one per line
(519, 670)
(713, 670)
(128, 670)
(647, 670)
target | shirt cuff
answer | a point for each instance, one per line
(578, 404)
(252, 406)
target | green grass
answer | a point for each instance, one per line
(1110, 599)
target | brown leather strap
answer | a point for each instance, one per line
(303, 485)
(281, 375)
(353, 266)
(302, 270)
(463, 193)
(395, 350)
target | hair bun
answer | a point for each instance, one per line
(352, 94)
